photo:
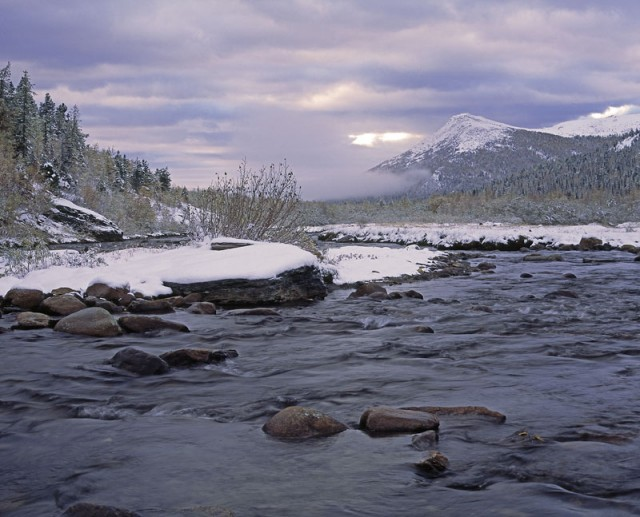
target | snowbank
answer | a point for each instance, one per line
(446, 235)
(145, 270)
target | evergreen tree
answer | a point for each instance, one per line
(163, 179)
(25, 112)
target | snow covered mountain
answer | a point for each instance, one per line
(470, 151)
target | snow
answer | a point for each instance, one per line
(448, 234)
(601, 126)
(350, 264)
(59, 201)
(144, 270)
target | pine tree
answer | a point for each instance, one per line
(25, 112)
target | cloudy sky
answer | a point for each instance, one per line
(332, 86)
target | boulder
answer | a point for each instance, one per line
(92, 321)
(423, 329)
(101, 290)
(150, 306)
(296, 285)
(301, 422)
(141, 324)
(434, 464)
(62, 305)
(194, 356)
(31, 320)
(202, 308)
(138, 361)
(383, 419)
(97, 510)
(25, 299)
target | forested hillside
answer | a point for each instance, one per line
(44, 153)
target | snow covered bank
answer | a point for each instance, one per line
(450, 235)
(145, 270)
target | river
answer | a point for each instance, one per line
(559, 356)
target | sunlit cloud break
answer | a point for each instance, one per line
(613, 111)
(371, 139)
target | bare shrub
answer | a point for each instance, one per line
(261, 206)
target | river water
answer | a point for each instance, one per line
(560, 357)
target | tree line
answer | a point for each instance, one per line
(44, 151)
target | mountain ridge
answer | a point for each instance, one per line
(469, 151)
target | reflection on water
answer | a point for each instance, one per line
(559, 356)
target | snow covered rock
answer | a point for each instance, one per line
(86, 224)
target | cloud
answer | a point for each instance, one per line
(613, 111)
(372, 139)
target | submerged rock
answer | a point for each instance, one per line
(97, 510)
(92, 321)
(461, 411)
(150, 306)
(384, 419)
(138, 361)
(202, 308)
(424, 441)
(302, 422)
(195, 356)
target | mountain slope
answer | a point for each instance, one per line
(469, 152)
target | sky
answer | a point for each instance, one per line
(333, 87)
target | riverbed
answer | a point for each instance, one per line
(558, 355)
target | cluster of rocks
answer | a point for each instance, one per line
(299, 423)
(103, 311)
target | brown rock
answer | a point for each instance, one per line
(370, 289)
(31, 320)
(301, 422)
(100, 290)
(92, 321)
(202, 308)
(192, 298)
(150, 306)
(195, 356)
(149, 323)
(460, 411)
(589, 243)
(383, 419)
(434, 464)
(538, 257)
(62, 305)
(25, 299)
(257, 311)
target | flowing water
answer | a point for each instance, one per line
(560, 357)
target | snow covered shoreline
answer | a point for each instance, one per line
(448, 236)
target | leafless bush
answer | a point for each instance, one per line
(262, 206)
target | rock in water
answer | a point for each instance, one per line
(195, 356)
(383, 419)
(302, 422)
(92, 321)
(434, 464)
(25, 299)
(31, 320)
(138, 361)
(62, 305)
(149, 323)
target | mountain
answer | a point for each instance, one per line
(469, 151)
